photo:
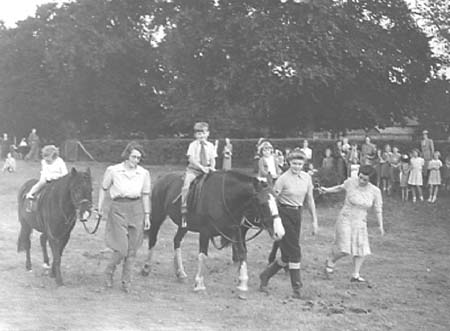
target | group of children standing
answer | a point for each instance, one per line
(407, 171)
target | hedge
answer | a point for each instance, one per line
(173, 150)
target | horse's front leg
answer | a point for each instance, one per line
(43, 240)
(242, 256)
(203, 254)
(178, 260)
(56, 263)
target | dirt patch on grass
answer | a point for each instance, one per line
(408, 272)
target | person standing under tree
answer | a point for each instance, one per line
(129, 214)
(227, 153)
(202, 159)
(434, 179)
(427, 148)
(33, 142)
(415, 179)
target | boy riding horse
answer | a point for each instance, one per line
(202, 159)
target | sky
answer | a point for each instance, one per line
(12, 11)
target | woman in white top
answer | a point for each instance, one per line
(52, 168)
(129, 214)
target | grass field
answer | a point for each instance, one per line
(409, 271)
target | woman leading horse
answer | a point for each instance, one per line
(228, 204)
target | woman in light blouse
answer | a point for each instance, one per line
(129, 214)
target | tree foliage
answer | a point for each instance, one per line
(247, 66)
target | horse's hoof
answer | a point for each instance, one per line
(199, 288)
(29, 270)
(242, 288)
(181, 276)
(46, 266)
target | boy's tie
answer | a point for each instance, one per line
(203, 157)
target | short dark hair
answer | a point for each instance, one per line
(132, 145)
(367, 170)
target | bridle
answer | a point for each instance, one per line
(238, 223)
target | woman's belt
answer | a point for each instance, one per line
(282, 205)
(125, 199)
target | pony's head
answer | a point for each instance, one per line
(80, 188)
(266, 210)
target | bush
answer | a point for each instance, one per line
(173, 150)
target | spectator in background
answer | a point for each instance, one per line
(434, 179)
(4, 146)
(268, 165)
(446, 173)
(10, 163)
(328, 161)
(23, 148)
(405, 169)
(427, 147)
(415, 176)
(368, 152)
(258, 153)
(395, 167)
(339, 162)
(227, 154)
(33, 142)
(385, 168)
(345, 146)
(308, 153)
(352, 159)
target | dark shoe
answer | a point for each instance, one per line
(296, 283)
(271, 270)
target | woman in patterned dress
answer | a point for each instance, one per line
(351, 236)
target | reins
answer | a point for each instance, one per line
(243, 222)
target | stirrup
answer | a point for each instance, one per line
(183, 221)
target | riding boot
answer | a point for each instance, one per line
(296, 283)
(111, 267)
(128, 263)
(271, 270)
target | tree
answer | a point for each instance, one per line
(284, 66)
(87, 62)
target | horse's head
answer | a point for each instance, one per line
(266, 209)
(80, 188)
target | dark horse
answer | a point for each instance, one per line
(60, 204)
(228, 205)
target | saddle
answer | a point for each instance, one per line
(193, 199)
(33, 204)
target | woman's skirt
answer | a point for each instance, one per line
(351, 236)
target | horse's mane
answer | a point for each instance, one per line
(239, 175)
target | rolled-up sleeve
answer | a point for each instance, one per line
(146, 187)
(107, 179)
